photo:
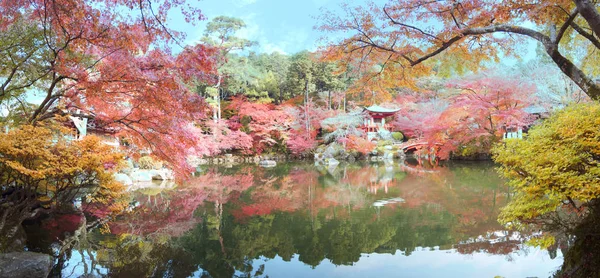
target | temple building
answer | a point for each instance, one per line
(374, 124)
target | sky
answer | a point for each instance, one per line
(285, 26)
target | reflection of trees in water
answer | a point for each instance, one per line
(328, 217)
(340, 240)
(225, 219)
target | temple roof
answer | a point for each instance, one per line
(379, 109)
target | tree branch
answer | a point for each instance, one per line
(589, 12)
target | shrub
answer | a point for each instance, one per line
(147, 162)
(398, 136)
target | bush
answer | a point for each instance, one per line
(360, 144)
(382, 143)
(148, 163)
(398, 136)
(554, 170)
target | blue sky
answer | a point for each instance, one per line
(286, 26)
(277, 25)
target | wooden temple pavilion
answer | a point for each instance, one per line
(375, 120)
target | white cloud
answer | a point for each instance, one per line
(242, 3)
(252, 31)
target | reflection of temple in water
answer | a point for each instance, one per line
(383, 179)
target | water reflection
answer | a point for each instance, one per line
(299, 220)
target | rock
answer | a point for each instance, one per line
(401, 155)
(25, 264)
(162, 174)
(89, 275)
(138, 175)
(319, 156)
(330, 151)
(388, 155)
(331, 161)
(267, 163)
(128, 166)
(385, 134)
(123, 178)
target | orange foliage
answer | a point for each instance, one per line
(40, 163)
(360, 144)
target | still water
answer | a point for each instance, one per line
(300, 220)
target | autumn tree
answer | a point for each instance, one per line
(397, 42)
(480, 114)
(85, 59)
(554, 171)
(41, 171)
(267, 124)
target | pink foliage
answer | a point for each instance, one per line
(219, 138)
(143, 98)
(414, 119)
(300, 143)
(268, 122)
(483, 109)
(482, 112)
(300, 139)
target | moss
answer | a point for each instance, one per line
(398, 136)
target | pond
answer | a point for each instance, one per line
(299, 220)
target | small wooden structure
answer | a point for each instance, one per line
(82, 126)
(375, 120)
(536, 111)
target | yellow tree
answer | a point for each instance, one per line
(41, 171)
(555, 170)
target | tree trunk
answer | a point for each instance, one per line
(586, 84)
(280, 95)
(588, 11)
(217, 110)
(306, 110)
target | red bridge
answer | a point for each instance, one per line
(414, 144)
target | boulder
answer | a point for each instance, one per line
(388, 155)
(331, 151)
(319, 157)
(400, 154)
(25, 264)
(128, 166)
(330, 161)
(385, 134)
(162, 174)
(267, 163)
(138, 175)
(123, 178)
